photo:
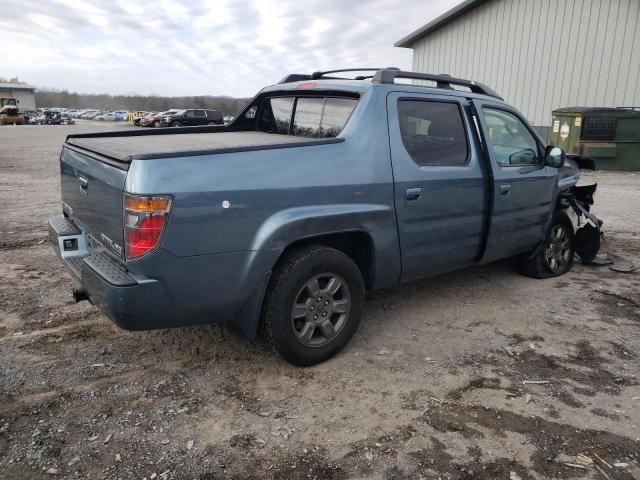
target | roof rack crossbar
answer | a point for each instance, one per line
(443, 81)
(318, 75)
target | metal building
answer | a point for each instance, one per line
(538, 54)
(23, 93)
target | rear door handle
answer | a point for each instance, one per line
(413, 194)
(84, 184)
(505, 188)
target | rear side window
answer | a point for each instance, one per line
(315, 117)
(433, 132)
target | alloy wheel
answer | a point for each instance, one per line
(320, 310)
(558, 252)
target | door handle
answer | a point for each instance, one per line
(505, 189)
(84, 184)
(413, 194)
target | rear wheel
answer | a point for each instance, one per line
(555, 257)
(313, 305)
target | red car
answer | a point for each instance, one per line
(155, 119)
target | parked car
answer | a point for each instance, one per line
(319, 190)
(89, 114)
(108, 116)
(139, 115)
(121, 115)
(66, 119)
(193, 117)
(155, 119)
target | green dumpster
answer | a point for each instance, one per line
(609, 136)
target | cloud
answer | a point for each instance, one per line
(221, 47)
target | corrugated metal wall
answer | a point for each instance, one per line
(543, 54)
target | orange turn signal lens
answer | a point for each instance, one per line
(147, 204)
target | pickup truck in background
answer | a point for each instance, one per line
(320, 189)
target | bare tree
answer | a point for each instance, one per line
(65, 99)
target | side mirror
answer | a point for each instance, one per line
(554, 156)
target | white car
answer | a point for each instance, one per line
(109, 116)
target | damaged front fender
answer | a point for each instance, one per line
(588, 227)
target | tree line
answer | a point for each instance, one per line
(152, 103)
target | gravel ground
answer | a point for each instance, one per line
(432, 386)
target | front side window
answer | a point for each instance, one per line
(433, 132)
(511, 141)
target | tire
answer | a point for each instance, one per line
(587, 241)
(211, 123)
(299, 334)
(175, 124)
(156, 124)
(555, 257)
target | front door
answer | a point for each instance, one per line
(524, 189)
(439, 183)
(189, 118)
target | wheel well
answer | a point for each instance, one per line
(356, 245)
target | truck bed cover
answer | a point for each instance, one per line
(126, 147)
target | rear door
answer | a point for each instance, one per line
(524, 190)
(199, 117)
(439, 183)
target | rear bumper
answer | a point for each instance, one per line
(164, 290)
(133, 302)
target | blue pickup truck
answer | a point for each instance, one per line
(320, 189)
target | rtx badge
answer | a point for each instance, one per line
(111, 244)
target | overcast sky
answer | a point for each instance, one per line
(198, 47)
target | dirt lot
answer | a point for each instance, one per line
(430, 387)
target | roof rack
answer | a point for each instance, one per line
(388, 75)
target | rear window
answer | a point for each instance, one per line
(315, 117)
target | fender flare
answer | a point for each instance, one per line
(294, 224)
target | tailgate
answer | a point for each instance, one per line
(92, 196)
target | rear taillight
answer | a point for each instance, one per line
(144, 221)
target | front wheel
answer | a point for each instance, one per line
(313, 305)
(175, 124)
(555, 257)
